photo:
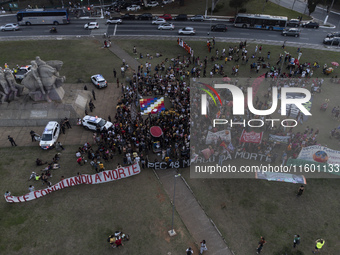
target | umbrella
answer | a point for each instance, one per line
(335, 63)
(156, 131)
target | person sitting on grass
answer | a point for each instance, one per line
(39, 162)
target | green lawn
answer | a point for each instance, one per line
(78, 220)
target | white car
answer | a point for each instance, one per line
(133, 8)
(9, 27)
(99, 81)
(50, 135)
(166, 26)
(91, 25)
(158, 21)
(114, 21)
(167, 1)
(153, 4)
(187, 31)
(91, 123)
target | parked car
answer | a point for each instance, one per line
(128, 16)
(114, 21)
(20, 73)
(186, 31)
(91, 25)
(133, 8)
(91, 123)
(166, 26)
(311, 24)
(10, 27)
(293, 23)
(181, 17)
(145, 16)
(158, 21)
(219, 28)
(167, 1)
(166, 17)
(332, 41)
(99, 81)
(153, 4)
(334, 34)
(197, 18)
(50, 135)
(291, 32)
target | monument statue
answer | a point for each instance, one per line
(9, 88)
(43, 79)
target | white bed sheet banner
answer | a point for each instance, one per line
(102, 177)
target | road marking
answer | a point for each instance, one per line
(272, 35)
(303, 38)
(244, 33)
(114, 31)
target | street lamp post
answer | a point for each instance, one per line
(172, 231)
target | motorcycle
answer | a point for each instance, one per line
(53, 30)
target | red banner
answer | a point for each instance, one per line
(251, 137)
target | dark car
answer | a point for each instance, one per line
(291, 32)
(197, 18)
(332, 41)
(293, 23)
(311, 24)
(219, 28)
(334, 34)
(128, 16)
(145, 16)
(181, 17)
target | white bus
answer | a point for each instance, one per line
(43, 16)
(260, 21)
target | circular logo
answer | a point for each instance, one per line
(320, 156)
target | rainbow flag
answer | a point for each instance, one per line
(151, 105)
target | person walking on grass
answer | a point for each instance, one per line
(318, 245)
(296, 240)
(300, 191)
(189, 251)
(260, 245)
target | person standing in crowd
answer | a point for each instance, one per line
(12, 141)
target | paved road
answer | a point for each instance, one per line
(144, 28)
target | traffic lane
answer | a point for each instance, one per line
(307, 35)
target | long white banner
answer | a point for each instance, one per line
(102, 177)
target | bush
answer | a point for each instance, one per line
(242, 10)
(217, 8)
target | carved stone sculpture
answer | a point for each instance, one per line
(43, 79)
(9, 89)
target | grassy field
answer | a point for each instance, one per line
(79, 219)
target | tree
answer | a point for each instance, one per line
(312, 5)
(237, 4)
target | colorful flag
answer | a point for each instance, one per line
(151, 105)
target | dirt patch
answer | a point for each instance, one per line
(160, 195)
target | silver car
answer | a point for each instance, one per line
(166, 26)
(9, 27)
(187, 31)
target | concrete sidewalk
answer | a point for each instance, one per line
(192, 214)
